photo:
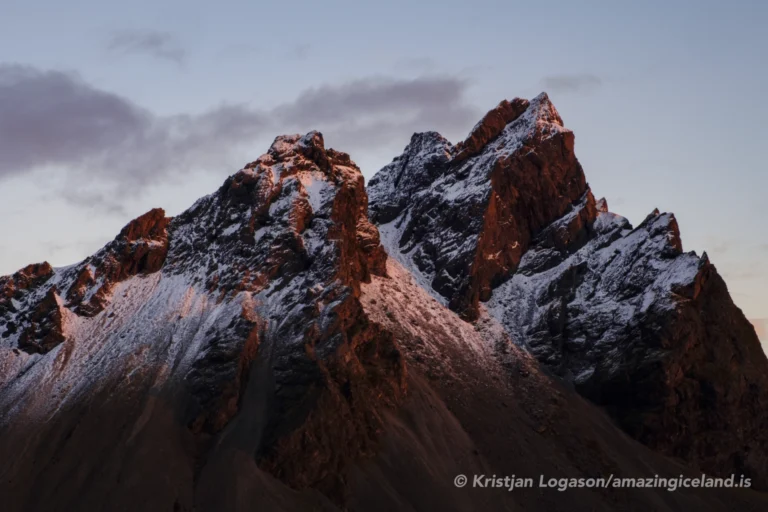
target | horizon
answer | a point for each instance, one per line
(156, 111)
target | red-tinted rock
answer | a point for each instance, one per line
(140, 248)
(489, 127)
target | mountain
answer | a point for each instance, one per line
(272, 348)
(634, 323)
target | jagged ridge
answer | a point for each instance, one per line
(260, 350)
(636, 324)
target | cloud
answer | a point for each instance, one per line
(420, 64)
(742, 275)
(92, 198)
(238, 50)
(300, 52)
(571, 83)
(718, 245)
(85, 245)
(159, 45)
(106, 143)
(55, 119)
(373, 111)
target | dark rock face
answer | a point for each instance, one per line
(637, 325)
(464, 215)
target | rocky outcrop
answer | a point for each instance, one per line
(30, 276)
(140, 248)
(46, 325)
(14, 289)
(634, 323)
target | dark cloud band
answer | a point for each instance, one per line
(51, 118)
(160, 45)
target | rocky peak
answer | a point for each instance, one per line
(140, 248)
(424, 159)
(16, 291)
(469, 213)
(151, 227)
(29, 277)
(297, 205)
(664, 226)
(490, 126)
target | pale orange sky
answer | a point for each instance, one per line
(761, 326)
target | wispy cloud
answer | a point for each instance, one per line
(372, 111)
(720, 246)
(160, 45)
(300, 52)
(89, 245)
(420, 64)
(571, 83)
(742, 275)
(57, 120)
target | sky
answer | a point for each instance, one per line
(110, 109)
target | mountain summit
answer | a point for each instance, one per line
(281, 345)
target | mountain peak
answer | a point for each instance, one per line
(490, 126)
(544, 110)
(514, 174)
(286, 147)
(150, 225)
(291, 153)
(520, 117)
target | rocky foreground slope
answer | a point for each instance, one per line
(262, 350)
(634, 323)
